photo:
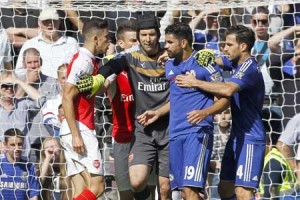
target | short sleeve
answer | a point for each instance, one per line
(246, 75)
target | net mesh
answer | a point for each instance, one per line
(280, 105)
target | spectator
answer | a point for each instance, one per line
(5, 53)
(287, 142)
(54, 48)
(21, 25)
(260, 25)
(18, 178)
(278, 180)
(52, 113)
(209, 37)
(46, 86)
(17, 112)
(53, 176)
(287, 70)
(290, 14)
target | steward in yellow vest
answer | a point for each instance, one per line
(278, 179)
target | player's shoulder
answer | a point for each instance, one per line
(249, 64)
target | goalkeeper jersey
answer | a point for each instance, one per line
(18, 180)
(184, 100)
(149, 84)
(246, 105)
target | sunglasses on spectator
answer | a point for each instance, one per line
(7, 86)
(263, 21)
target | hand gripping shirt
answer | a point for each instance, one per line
(184, 100)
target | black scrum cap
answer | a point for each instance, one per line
(147, 22)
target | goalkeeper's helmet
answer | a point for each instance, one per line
(147, 22)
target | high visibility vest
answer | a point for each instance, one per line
(289, 184)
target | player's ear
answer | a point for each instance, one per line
(121, 43)
(243, 47)
(95, 39)
(184, 43)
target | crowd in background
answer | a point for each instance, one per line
(37, 45)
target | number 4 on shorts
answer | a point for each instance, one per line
(239, 171)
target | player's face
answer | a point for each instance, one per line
(103, 41)
(149, 41)
(13, 147)
(260, 24)
(232, 48)
(173, 46)
(129, 40)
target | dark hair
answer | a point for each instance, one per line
(243, 35)
(126, 26)
(147, 22)
(260, 9)
(93, 26)
(180, 30)
(12, 133)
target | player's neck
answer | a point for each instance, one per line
(187, 54)
(243, 58)
(90, 48)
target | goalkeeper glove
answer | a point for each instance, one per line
(205, 57)
(89, 83)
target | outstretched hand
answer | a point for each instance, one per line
(148, 117)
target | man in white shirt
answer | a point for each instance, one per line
(53, 47)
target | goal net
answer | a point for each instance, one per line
(208, 20)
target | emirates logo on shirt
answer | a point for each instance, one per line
(130, 157)
(96, 164)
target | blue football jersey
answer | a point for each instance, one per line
(185, 100)
(18, 180)
(246, 105)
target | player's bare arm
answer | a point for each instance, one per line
(224, 89)
(70, 93)
(150, 116)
